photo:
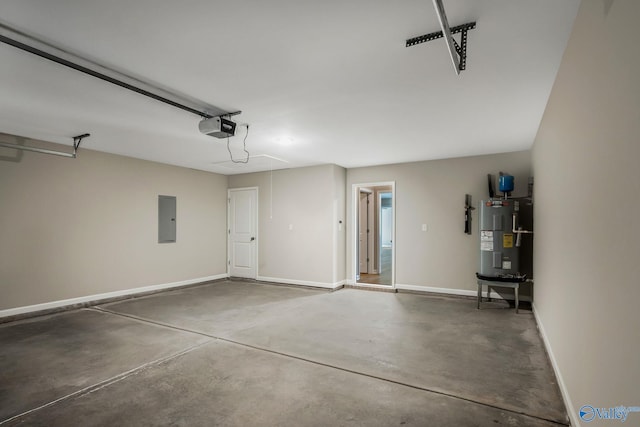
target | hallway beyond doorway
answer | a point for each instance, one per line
(373, 244)
(384, 278)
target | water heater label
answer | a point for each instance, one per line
(507, 241)
(486, 241)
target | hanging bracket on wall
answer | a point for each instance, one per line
(76, 144)
(467, 213)
(458, 52)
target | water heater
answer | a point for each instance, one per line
(503, 252)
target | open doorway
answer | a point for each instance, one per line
(374, 208)
(385, 229)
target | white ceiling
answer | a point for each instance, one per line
(318, 81)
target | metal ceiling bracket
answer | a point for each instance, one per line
(76, 144)
(229, 115)
(460, 49)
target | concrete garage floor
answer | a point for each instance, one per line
(248, 354)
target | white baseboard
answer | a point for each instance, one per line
(104, 296)
(452, 291)
(371, 285)
(325, 285)
(349, 282)
(563, 388)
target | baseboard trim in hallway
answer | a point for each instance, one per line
(371, 287)
(306, 360)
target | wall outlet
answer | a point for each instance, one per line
(290, 227)
(424, 227)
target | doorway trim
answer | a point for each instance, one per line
(256, 224)
(371, 226)
(355, 204)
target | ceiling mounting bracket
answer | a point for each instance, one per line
(77, 140)
(76, 144)
(229, 115)
(460, 49)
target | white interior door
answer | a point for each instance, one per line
(243, 232)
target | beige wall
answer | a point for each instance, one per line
(311, 200)
(432, 193)
(339, 223)
(587, 233)
(78, 227)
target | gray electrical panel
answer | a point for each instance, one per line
(502, 253)
(166, 219)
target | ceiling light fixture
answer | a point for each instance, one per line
(284, 140)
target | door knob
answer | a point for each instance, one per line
(253, 238)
